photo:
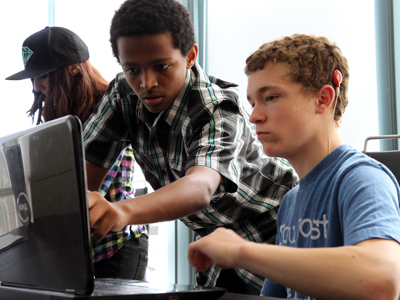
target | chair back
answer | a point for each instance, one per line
(391, 159)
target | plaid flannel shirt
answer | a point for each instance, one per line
(206, 125)
(117, 186)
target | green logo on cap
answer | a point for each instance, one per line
(26, 54)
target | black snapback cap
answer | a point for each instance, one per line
(49, 49)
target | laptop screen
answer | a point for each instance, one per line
(44, 239)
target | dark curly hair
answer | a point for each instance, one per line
(148, 17)
(311, 61)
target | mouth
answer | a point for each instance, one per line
(152, 99)
(262, 135)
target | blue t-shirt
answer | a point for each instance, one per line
(346, 199)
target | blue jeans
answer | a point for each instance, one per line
(129, 262)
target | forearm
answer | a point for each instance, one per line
(95, 176)
(181, 198)
(324, 273)
(185, 196)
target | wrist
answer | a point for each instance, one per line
(242, 255)
(124, 213)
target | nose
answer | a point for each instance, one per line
(148, 80)
(257, 116)
(37, 85)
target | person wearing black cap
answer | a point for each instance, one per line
(65, 82)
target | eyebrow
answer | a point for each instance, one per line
(157, 61)
(263, 89)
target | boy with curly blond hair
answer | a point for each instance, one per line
(338, 229)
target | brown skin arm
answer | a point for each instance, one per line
(181, 198)
(95, 176)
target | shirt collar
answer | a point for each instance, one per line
(178, 110)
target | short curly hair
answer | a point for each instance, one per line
(311, 61)
(149, 17)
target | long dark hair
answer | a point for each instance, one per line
(69, 94)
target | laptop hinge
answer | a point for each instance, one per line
(70, 291)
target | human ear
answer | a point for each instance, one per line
(191, 57)
(73, 69)
(326, 99)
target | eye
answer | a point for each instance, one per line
(163, 66)
(271, 98)
(132, 70)
(251, 102)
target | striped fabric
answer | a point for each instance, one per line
(207, 126)
(117, 186)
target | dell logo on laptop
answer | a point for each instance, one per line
(23, 208)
